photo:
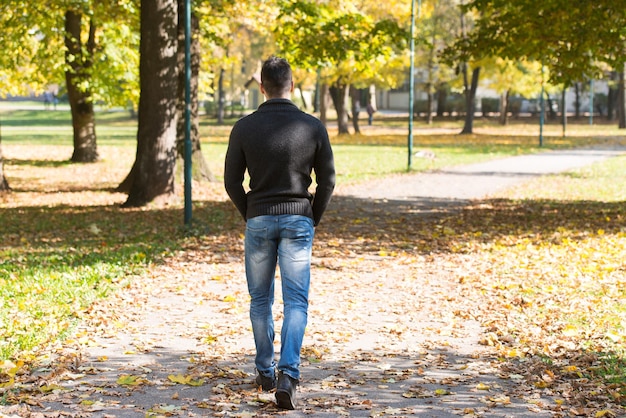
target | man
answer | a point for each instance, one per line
(279, 146)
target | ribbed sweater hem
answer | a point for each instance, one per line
(283, 208)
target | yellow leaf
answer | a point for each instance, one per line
(504, 400)
(482, 386)
(185, 380)
(605, 413)
(570, 331)
(129, 380)
(51, 388)
(614, 336)
(7, 384)
(442, 392)
(230, 298)
(10, 368)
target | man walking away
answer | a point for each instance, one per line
(280, 146)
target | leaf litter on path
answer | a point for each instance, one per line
(410, 315)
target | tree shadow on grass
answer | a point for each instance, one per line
(383, 380)
(38, 163)
(433, 225)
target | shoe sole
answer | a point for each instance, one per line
(284, 401)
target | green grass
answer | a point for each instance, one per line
(56, 260)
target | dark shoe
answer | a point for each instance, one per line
(286, 391)
(266, 383)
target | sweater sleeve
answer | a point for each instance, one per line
(325, 178)
(234, 170)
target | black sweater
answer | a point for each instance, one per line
(280, 146)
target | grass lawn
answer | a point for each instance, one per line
(64, 241)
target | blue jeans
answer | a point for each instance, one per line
(286, 240)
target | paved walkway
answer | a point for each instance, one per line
(479, 180)
(366, 354)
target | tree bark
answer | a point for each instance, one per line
(324, 93)
(4, 184)
(504, 107)
(470, 102)
(564, 111)
(338, 94)
(152, 175)
(621, 102)
(577, 101)
(221, 97)
(442, 95)
(355, 96)
(78, 58)
(200, 167)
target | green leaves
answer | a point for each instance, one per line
(315, 35)
(571, 39)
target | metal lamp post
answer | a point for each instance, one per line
(412, 80)
(187, 164)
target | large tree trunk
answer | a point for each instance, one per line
(338, 94)
(200, 168)
(152, 176)
(78, 58)
(470, 102)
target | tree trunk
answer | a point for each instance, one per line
(152, 176)
(551, 112)
(324, 93)
(442, 95)
(338, 94)
(221, 97)
(200, 167)
(470, 102)
(564, 111)
(305, 105)
(429, 105)
(577, 101)
(355, 96)
(504, 107)
(4, 184)
(611, 97)
(78, 58)
(621, 102)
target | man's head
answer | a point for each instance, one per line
(276, 80)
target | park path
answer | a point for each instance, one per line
(385, 336)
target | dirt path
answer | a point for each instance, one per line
(391, 331)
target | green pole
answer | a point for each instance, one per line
(411, 85)
(541, 111)
(188, 112)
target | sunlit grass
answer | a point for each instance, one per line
(58, 257)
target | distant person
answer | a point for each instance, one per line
(279, 146)
(370, 113)
(46, 100)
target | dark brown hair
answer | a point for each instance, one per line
(276, 76)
